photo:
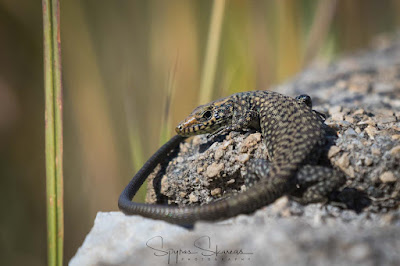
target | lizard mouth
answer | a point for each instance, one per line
(192, 126)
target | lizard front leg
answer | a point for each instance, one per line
(238, 123)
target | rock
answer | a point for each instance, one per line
(344, 161)
(376, 151)
(387, 177)
(359, 83)
(371, 131)
(196, 140)
(219, 153)
(368, 161)
(116, 239)
(395, 151)
(368, 121)
(193, 198)
(349, 119)
(164, 184)
(230, 181)
(243, 158)
(359, 112)
(383, 119)
(226, 144)
(333, 151)
(214, 169)
(383, 87)
(350, 132)
(216, 191)
(337, 116)
(396, 127)
(249, 142)
(360, 252)
(280, 205)
(335, 109)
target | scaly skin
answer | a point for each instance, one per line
(294, 135)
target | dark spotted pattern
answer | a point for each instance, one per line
(294, 134)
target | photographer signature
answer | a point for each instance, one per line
(202, 246)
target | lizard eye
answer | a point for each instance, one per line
(207, 115)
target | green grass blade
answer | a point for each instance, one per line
(53, 131)
(210, 61)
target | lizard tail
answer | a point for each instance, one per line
(125, 203)
(274, 184)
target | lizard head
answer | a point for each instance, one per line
(206, 118)
(304, 98)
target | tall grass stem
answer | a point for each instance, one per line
(210, 61)
(53, 130)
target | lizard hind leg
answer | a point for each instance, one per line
(257, 170)
(261, 172)
(316, 183)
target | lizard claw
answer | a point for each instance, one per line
(216, 133)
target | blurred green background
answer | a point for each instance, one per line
(123, 62)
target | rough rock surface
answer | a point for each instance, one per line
(271, 239)
(361, 224)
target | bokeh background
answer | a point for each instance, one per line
(132, 70)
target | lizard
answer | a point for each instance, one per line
(294, 135)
